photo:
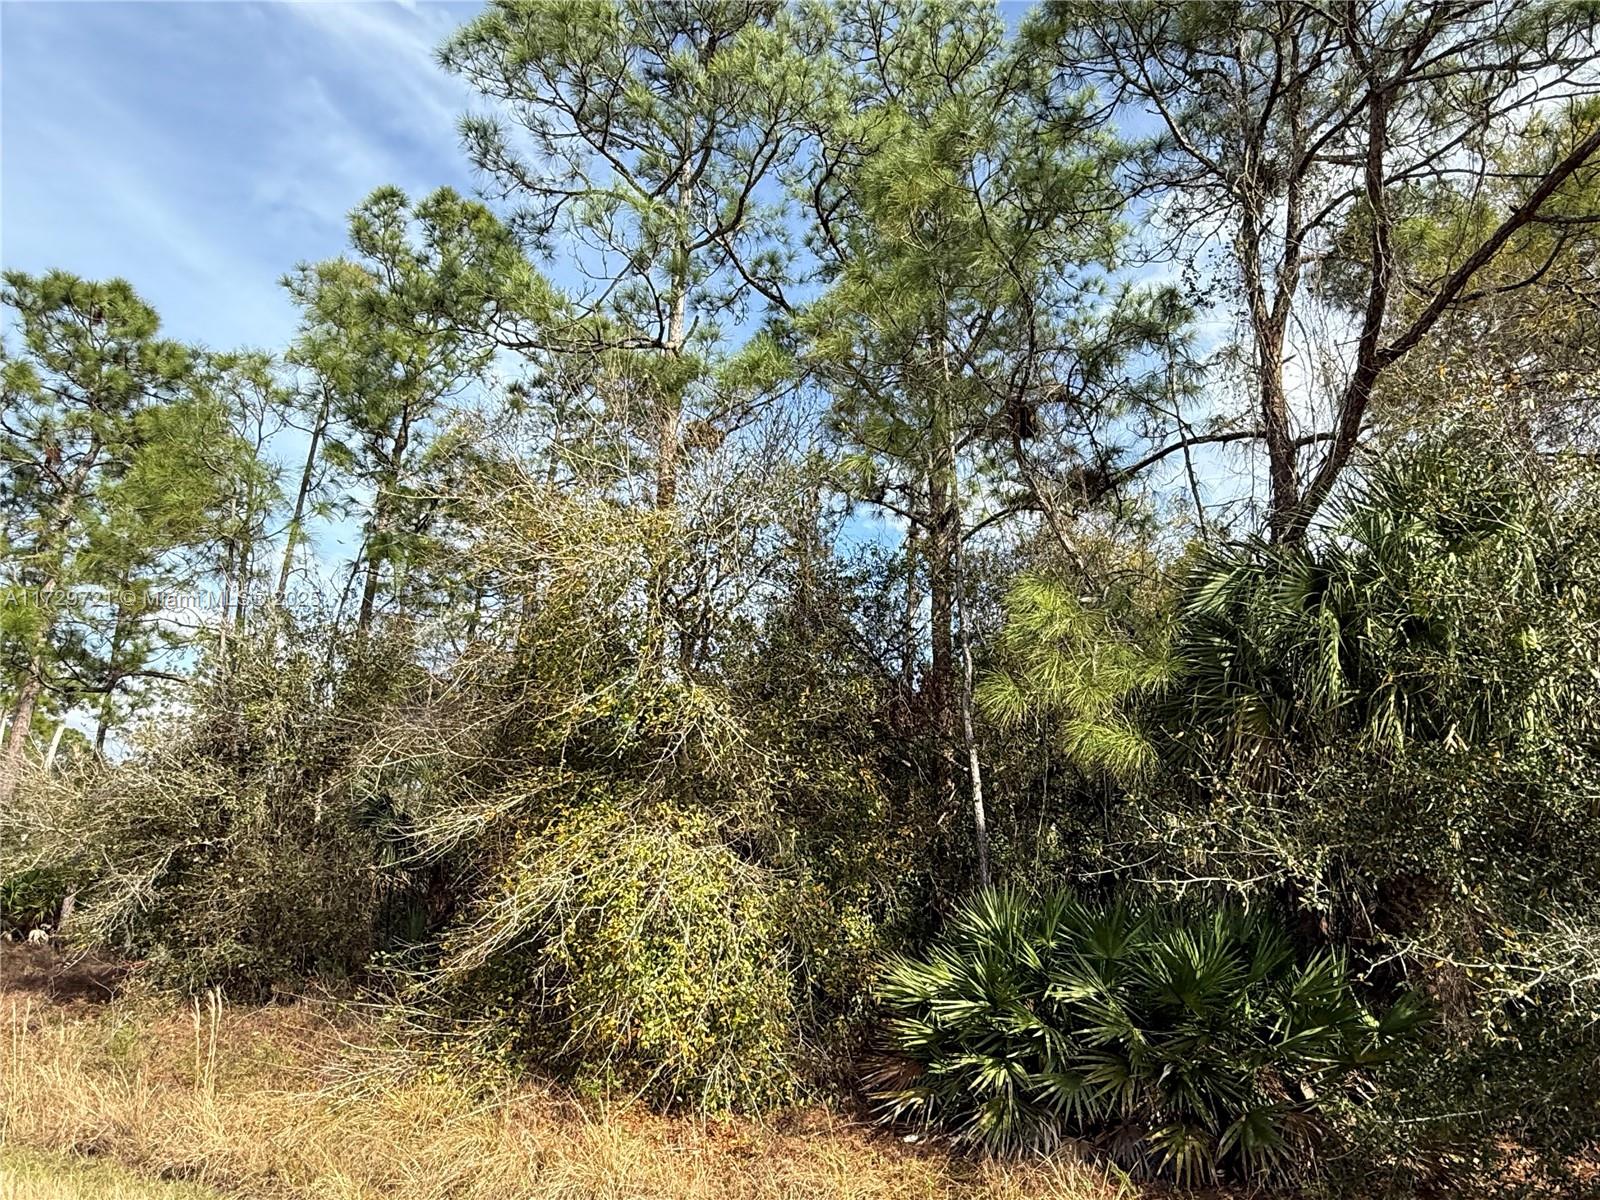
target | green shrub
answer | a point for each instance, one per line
(1394, 723)
(31, 896)
(1185, 1045)
(1497, 1102)
(629, 949)
(242, 846)
(674, 855)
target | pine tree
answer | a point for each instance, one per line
(393, 340)
(968, 320)
(102, 486)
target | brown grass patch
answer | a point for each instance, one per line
(256, 1102)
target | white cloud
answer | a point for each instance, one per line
(200, 150)
(396, 42)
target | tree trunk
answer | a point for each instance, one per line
(669, 418)
(941, 673)
(948, 521)
(382, 523)
(940, 690)
(229, 565)
(668, 436)
(118, 632)
(1268, 323)
(241, 594)
(296, 521)
(910, 655)
(55, 745)
(1283, 467)
(980, 818)
(21, 726)
(369, 587)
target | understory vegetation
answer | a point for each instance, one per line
(1191, 1043)
(1039, 577)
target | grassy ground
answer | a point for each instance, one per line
(282, 1102)
(26, 1175)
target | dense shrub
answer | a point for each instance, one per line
(1396, 724)
(30, 896)
(632, 951)
(1187, 1045)
(1402, 710)
(1505, 1110)
(41, 862)
(1391, 726)
(241, 844)
(670, 867)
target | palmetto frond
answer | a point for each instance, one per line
(1393, 624)
(1175, 1040)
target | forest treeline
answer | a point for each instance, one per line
(1042, 569)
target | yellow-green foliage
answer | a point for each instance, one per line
(672, 862)
(646, 954)
(1074, 666)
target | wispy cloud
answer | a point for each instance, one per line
(200, 150)
(398, 41)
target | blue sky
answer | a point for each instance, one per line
(200, 149)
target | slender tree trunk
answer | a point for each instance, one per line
(942, 592)
(55, 745)
(668, 416)
(473, 615)
(369, 586)
(376, 551)
(302, 495)
(118, 633)
(910, 655)
(939, 685)
(980, 818)
(951, 522)
(669, 432)
(669, 440)
(241, 592)
(21, 725)
(1267, 324)
(229, 567)
(70, 900)
(382, 524)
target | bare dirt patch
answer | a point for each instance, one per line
(45, 972)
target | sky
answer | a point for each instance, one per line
(201, 148)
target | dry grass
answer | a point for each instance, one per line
(242, 1101)
(27, 1175)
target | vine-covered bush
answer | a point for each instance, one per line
(1188, 1045)
(671, 880)
(630, 950)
